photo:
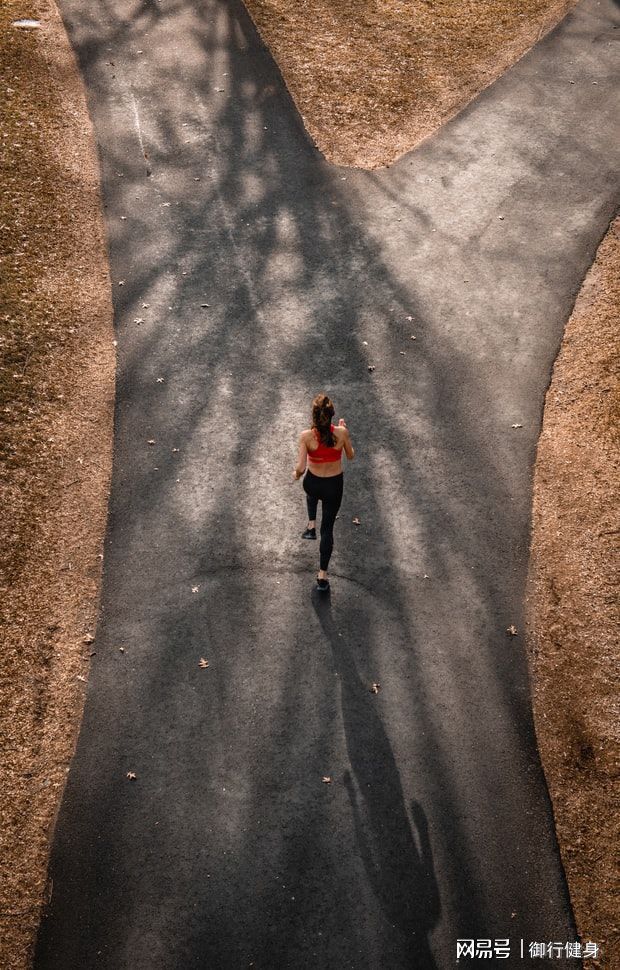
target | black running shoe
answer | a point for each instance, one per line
(309, 534)
(322, 584)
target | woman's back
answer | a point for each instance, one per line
(321, 452)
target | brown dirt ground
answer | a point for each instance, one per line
(56, 398)
(573, 604)
(371, 79)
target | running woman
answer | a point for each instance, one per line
(321, 447)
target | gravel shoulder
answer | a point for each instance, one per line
(56, 399)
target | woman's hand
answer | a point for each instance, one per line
(296, 474)
(342, 423)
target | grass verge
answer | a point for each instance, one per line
(372, 78)
(56, 399)
(573, 604)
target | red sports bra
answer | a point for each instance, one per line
(323, 452)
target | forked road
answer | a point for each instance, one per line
(228, 850)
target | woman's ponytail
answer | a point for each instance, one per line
(322, 413)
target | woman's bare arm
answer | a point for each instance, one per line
(349, 450)
(302, 457)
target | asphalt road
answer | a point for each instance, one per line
(228, 850)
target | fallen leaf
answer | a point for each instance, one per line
(160, 380)
(402, 353)
(89, 638)
(516, 425)
(195, 589)
(139, 320)
(151, 441)
(356, 521)
(83, 679)
(326, 779)
(205, 306)
(165, 205)
(371, 367)
(121, 650)
(364, 343)
(145, 306)
(375, 688)
(512, 631)
(203, 663)
(121, 282)
(175, 450)
(409, 318)
(131, 775)
(412, 336)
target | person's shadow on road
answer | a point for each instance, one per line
(395, 847)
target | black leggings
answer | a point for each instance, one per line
(329, 491)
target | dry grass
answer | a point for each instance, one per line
(56, 393)
(371, 78)
(573, 599)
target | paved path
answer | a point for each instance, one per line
(228, 851)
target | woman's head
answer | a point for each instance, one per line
(322, 413)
